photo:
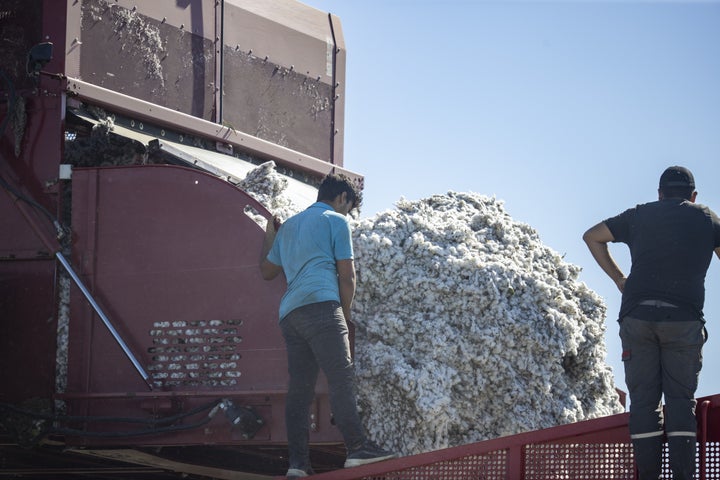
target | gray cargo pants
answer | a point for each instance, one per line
(662, 355)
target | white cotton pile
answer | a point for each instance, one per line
(269, 188)
(469, 328)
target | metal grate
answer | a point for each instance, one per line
(490, 466)
(579, 461)
(712, 461)
(195, 353)
(597, 449)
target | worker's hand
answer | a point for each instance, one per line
(272, 226)
(268, 269)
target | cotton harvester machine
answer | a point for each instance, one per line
(137, 338)
(134, 324)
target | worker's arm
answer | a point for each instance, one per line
(597, 239)
(269, 270)
(717, 252)
(346, 282)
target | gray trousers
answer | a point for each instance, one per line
(316, 336)
(662, 356)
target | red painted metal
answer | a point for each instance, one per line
(280, 89)
(598, 449)
(30, 150)
(168, 252)
(172, 256)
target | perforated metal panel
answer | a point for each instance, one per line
(709, 471)
(492, 465)
(199, 353)
(579, 461)
(712, 457)
(598, 449)
(547, 461)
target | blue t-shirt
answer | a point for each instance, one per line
(306, 247)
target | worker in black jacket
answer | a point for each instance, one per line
(662, 327)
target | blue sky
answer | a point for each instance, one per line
(568, 111)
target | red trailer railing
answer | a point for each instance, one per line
(597, 449)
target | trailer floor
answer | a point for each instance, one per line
(55, 460)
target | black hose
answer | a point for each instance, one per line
(153, 422)
(135, 433)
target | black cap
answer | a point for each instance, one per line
(677, 177)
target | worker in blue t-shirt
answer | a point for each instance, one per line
(314, 250)
(662, 327)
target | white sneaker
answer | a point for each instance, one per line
(294, 473)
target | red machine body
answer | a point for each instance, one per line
(133, 312)
(196, 312)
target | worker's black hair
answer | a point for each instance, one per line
(677, 192)
(335, 184)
